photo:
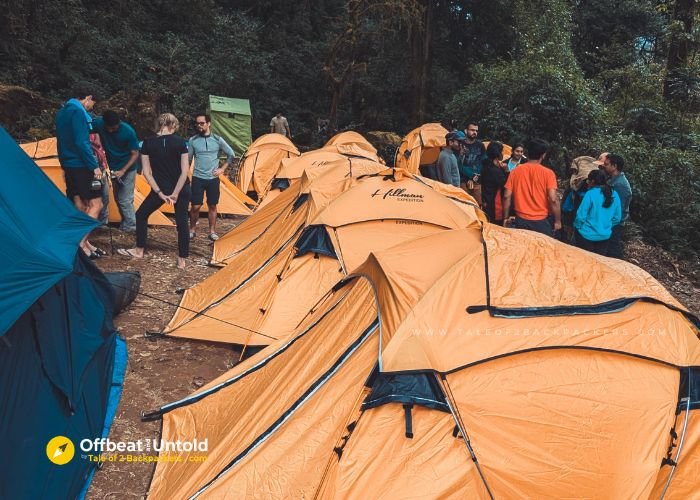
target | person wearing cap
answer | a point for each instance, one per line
(532, 190)
(80, 167)
(613, 165)
(447, 164)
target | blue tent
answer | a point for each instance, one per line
(61, 361)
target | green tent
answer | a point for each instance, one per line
(230, 118)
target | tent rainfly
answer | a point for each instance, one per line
(61, 360)
(308, 251)
(261, 162)
(231, 119)
(473, 363)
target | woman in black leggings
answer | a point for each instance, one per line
(165, 166)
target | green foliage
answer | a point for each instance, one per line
(544, 39)
(666, 190)
(512, 100)
(585, 75)
(609, 36)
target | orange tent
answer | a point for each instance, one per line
(45, 154)
(507, 150)
(261, 162)
(345, 144)
(231, 202)
(421, 146)
(352, 144)
(310, 166)
(243, 304)
(490, 363)
(292, 169)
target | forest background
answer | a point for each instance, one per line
(588, 76)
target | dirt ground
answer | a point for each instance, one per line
(161, 370)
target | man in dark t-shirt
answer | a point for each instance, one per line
(122, 148)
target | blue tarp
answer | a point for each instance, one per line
(40, 230)
(60, 369)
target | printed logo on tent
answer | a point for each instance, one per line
(400, 194)
(60, 450)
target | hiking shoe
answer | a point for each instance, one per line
(213, 236)
(192, 234)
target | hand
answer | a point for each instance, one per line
(217, 172)
(97, 173)
(476, 178)
(167, 198)
(508, 222)
(557, 226)
(118, 174)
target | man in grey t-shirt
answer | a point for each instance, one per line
(280, 125)
(205, 148)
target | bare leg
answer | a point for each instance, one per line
(212, 219)
(194, 217)
(92, 208)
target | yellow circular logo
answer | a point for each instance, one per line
(60, 450)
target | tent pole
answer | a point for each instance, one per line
(680, 443)
(465, 436)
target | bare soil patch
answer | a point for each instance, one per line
(160, 369)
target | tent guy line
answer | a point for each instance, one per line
(196, 312)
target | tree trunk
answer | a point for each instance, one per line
(421, 44)
(680, 44)
(333, 112)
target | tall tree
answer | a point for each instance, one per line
(364, 22)
(682, 45)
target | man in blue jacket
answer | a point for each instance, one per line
(81, 170)
(122, 148)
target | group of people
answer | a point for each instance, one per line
(520, 192)
(92, 151)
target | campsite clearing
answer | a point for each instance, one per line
(162, 370)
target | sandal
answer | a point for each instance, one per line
(99, 252)
(213, 236)
(128, 252)
(90, 254)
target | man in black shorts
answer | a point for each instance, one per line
(82, 172)
(205, 148)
